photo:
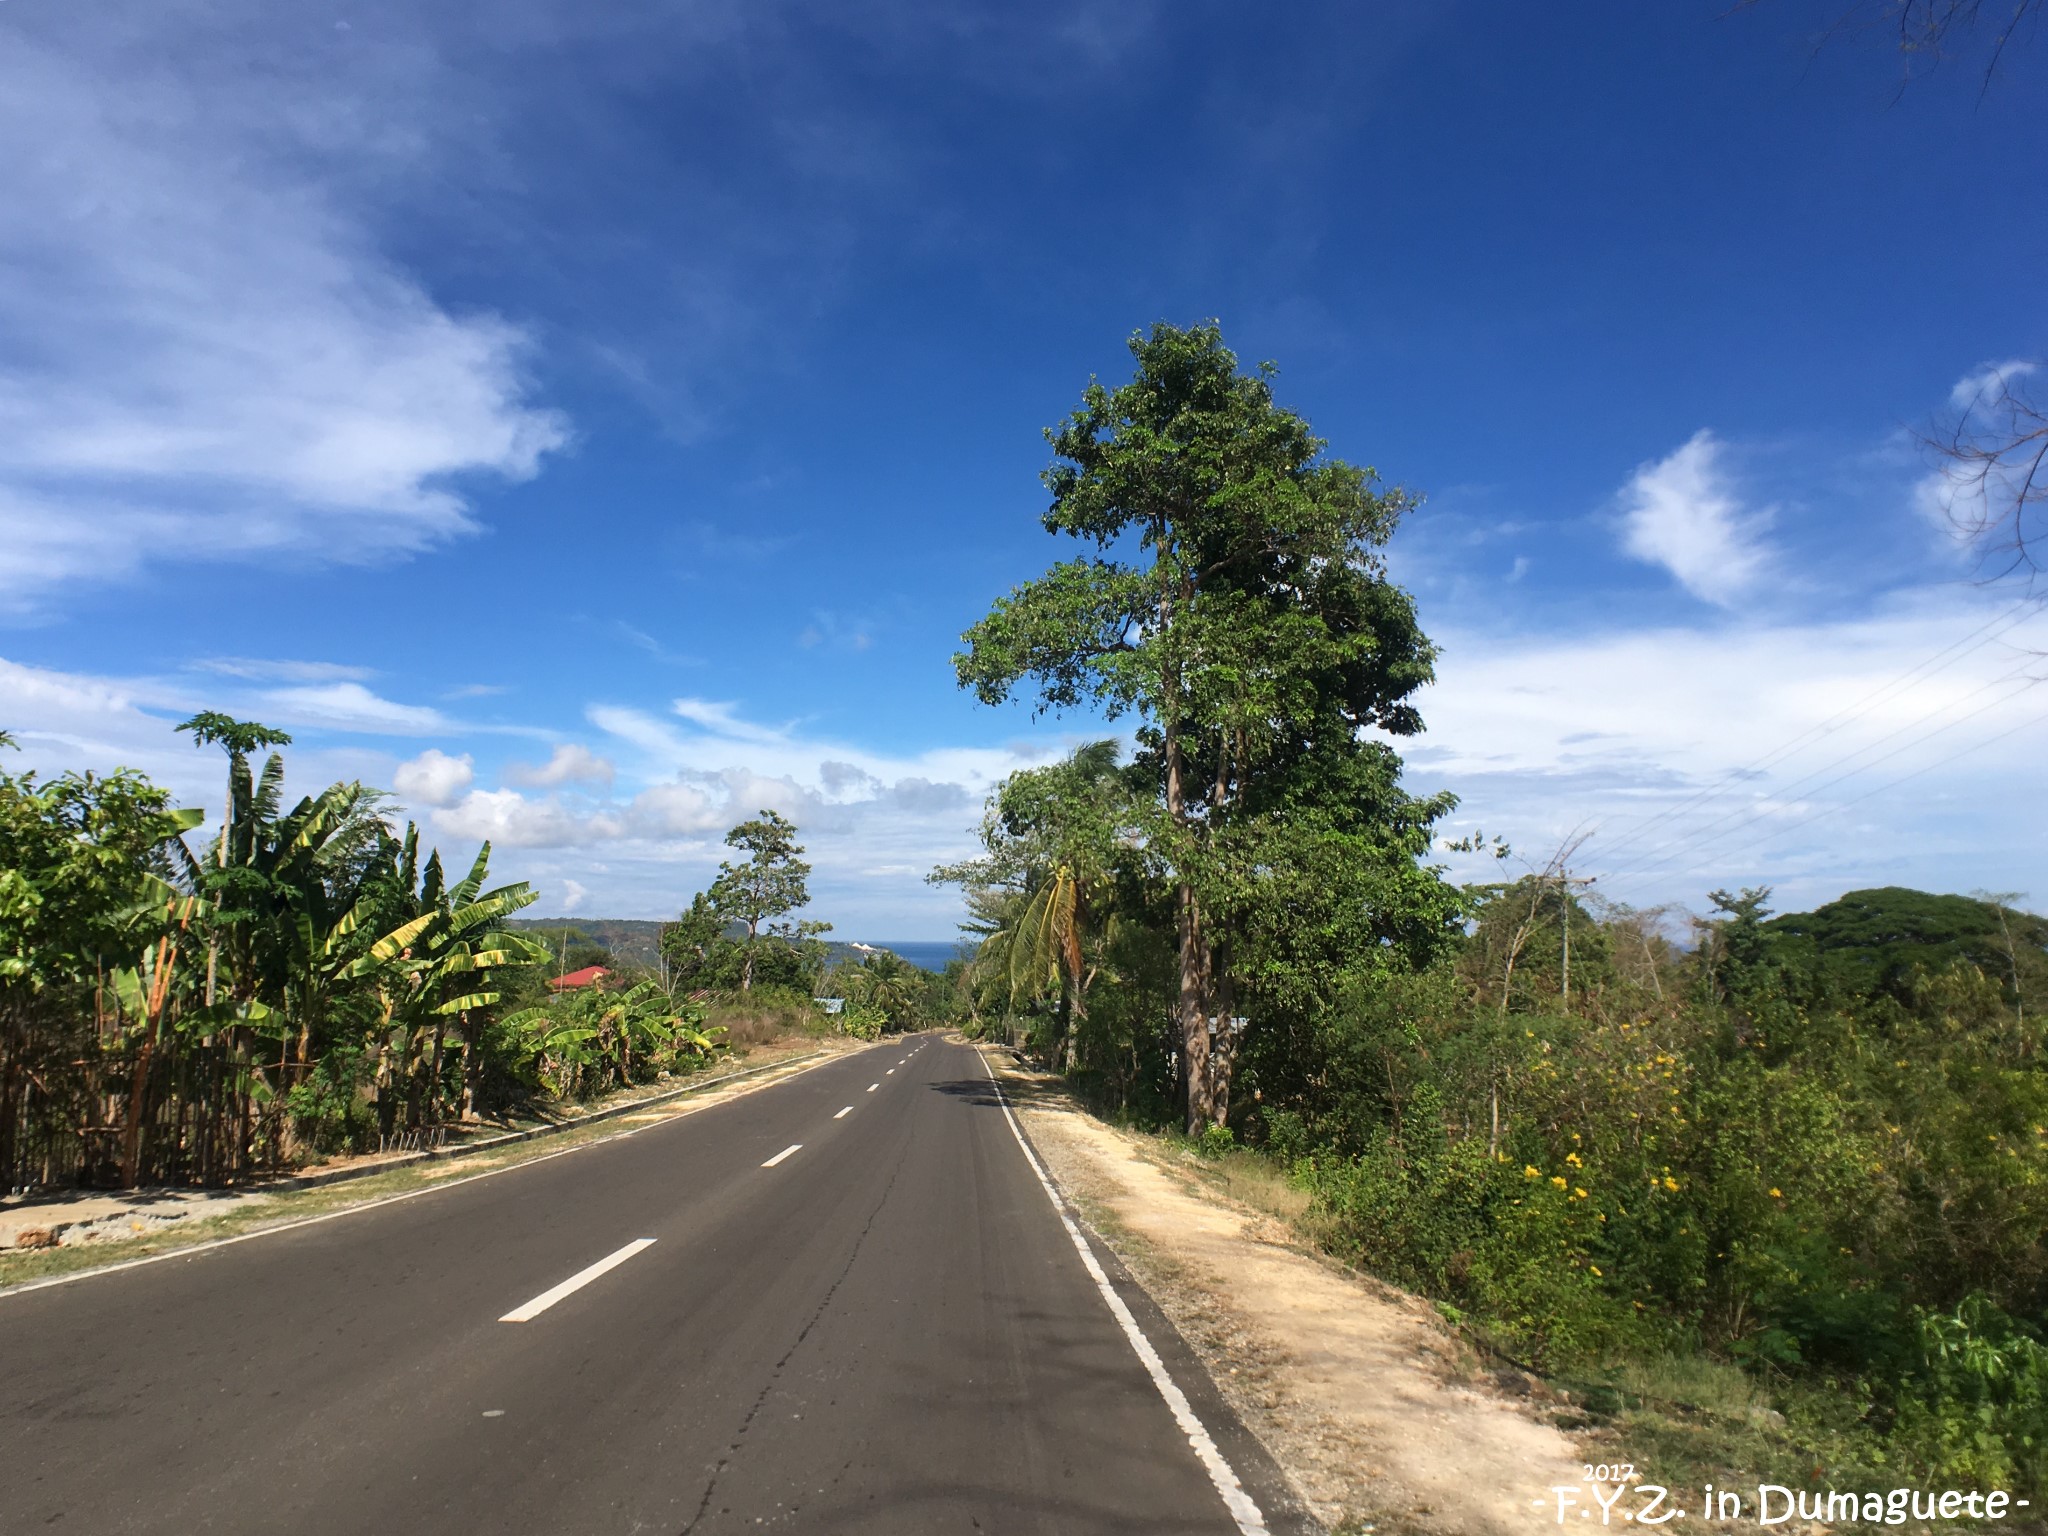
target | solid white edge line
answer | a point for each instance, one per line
(1250, 1522)
(795, 1146)
(22, 1288)
(576, 1282)
(844, 1113)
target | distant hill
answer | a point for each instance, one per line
(1875, 938)
(637, 941)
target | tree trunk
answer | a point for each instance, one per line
(1191, 1001)
(434, 1072)
(1192, 1010)
(159, 994)
(387, 1105)
(472, 1072)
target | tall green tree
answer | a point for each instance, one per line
(1235, 600)
(771, 883)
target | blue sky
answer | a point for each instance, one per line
(596, 421)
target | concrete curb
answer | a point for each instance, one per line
(470, 1149)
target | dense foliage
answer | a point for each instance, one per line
(1788, 1146)
(1814, 1147)
(307, 983)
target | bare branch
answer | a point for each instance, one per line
(1993, 475)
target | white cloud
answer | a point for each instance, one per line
(721, 720)
(266, 671)
(1609, 731)
(1962, 497)
(872, 822)
(574, 892)
(1680, 512)
(74, 720)
(675, 810)
(1974, 391)
(352, 707)
(570, 764)
(434, 778)
(506, 818)
(207, 355)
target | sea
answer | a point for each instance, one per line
(926, 954)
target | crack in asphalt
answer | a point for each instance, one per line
(775, 1373)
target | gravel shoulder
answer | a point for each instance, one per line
(1360, 1391)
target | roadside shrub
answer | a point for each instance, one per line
(862, 1022)
(1519, 1250)
(1215, 1141)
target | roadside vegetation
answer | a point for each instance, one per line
(1770, 1193)
(314, 983)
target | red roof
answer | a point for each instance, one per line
(590, 975)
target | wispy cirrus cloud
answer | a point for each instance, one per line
(207, 355)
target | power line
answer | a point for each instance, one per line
(1891, 784)
(1940, 661)
(1665, 852)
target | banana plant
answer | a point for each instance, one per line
(611, 1032)
(434, 968)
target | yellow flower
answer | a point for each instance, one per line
(1573, 1159)
(1577, 1193)
(1594, 1267)
(1671, 1183)
(1532, 1173)
(1776, 1193)
(1557, 1182)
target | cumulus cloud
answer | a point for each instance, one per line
(570, 764)
(506, 818)
(675, 810)
(434, 778)
(1681, 512)
(208, 356)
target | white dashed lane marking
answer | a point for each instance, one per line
(577, 1281)
(873, 1086)
(844, 1113)
(795, 1146)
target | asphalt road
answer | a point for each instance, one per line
(889, 1329)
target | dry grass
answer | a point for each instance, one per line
(1253, 1179)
